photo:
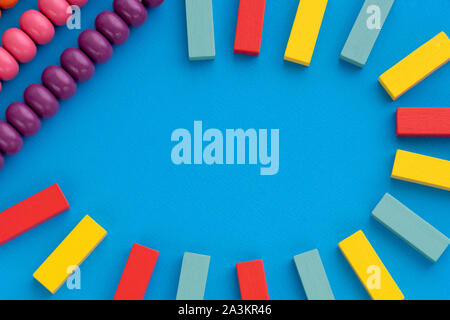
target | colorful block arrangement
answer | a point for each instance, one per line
(137, 273)
(113, 28)
(74, 249)
(418, 233)
(368, 267)
(417, 168)
(193, 276)
(313, 276)
(364, 33)
(252, 280)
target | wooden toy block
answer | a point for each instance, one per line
(410, 227)
(252, 280)
(200, 29)
(137, 273)
(249, 27)
(313, 276)
(417, 66)
(417, 168)
(423, 122)
(74, 249)
(305, 30)
(368, 267)
(193, 276)
(365, 32)
(32, 212)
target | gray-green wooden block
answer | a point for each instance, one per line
(193, 275)
(313, 276)
(365, 31)
(200, 29)
(418, 233)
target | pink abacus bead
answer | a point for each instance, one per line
(37, 26)
(19, 44)
(58, 11)
(10, 140)
(152, 3)
(8, 65)
(79, 3)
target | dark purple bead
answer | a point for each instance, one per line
(112, 27)
(2, 161)
(10, 140)
(95, 45)
(41, 100)
(58, 81)
(132, 11)
(78, 64)
(23, 118)
(153, 3)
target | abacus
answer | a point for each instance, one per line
(77, 64)
(36, 27)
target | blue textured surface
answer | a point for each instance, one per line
(109, 149)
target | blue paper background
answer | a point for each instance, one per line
(109, 149)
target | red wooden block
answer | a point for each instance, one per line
(137, 273)
(252, 280)
(32, 212)
(249, 27)
(423, 122)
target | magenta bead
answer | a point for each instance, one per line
(41, 100)
(19, 44)
(77, 64)
(58, 11)
(10, 140)
(95, 45)
(37, 26)
(59, 82)
(79, 3)
(23, 118)
(132, 11)
(8, 65)
(153, 3)
(2, 161)
(112, 27)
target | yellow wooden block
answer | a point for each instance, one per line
(305, 30)
(417, 168)
(369, 268)
(76, 247)
(417, 66)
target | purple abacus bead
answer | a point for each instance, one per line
(153, 3)
(58, 81)
(132, 11)
(78, 64)
(10, 140)
(2, 161)
(23, 118)
(95, 45)
(112, 27)
(41, 100)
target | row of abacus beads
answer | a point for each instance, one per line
(77, 64)
(19, 45)
(6, 4)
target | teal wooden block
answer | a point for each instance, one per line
(313, 276)
(193, 275)
(365, 31)
(200, 29)
(410, 227)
